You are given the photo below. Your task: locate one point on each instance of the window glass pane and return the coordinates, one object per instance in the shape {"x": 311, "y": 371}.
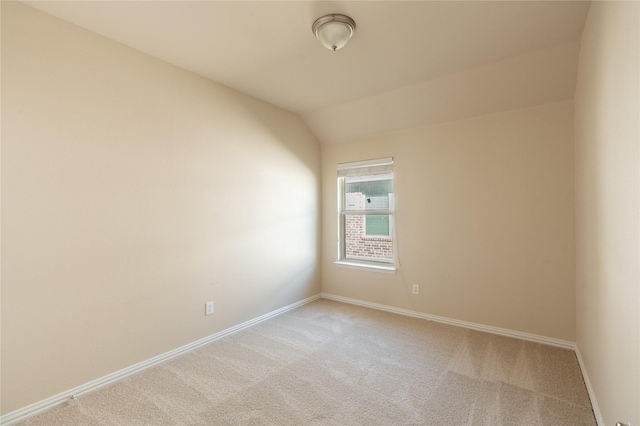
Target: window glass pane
{"x": 368, "y": 194}
{"x": 359, "y": 245}
{"x": 377, "y": 225}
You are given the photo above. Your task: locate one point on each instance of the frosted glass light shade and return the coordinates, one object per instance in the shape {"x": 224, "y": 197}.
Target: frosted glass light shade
{"x": 334, "y": 30}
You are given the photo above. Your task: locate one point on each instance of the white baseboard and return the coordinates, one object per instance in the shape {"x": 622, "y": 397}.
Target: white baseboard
{"x": 472, "y": 325}
{"x": 592, "y": 395}
{"x": 46, "y": 404}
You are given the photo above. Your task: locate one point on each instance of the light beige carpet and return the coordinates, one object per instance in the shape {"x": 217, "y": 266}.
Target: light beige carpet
{"x": 329, "y": 363}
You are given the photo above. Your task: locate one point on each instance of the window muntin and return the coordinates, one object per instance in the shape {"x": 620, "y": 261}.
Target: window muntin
{"x": 366, "y": 212}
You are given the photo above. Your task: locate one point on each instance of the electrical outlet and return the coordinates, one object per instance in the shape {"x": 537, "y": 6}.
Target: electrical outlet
{"x": 416, "y": 289}
{"x": 208, "y": 308}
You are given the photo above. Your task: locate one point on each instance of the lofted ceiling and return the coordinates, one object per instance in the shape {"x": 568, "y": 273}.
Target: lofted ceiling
{"x": 405, "y": 61}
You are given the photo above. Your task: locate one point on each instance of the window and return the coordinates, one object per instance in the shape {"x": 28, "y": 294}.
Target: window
{"x": 365, "y": 214}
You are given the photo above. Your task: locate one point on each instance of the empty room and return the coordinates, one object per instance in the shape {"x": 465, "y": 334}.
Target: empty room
{"x": 320, "y": 213}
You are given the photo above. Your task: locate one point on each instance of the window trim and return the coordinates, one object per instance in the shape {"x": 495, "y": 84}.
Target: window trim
{"x": 369, "y": 168}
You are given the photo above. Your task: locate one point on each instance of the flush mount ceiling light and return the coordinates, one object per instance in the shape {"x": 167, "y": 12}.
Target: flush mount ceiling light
{"x": 334, "y": 30}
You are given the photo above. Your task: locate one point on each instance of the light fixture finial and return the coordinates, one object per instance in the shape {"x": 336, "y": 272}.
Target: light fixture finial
{"x": 334, "y": 30}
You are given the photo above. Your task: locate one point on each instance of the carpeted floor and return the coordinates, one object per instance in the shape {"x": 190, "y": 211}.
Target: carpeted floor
{"x": 329, "y": 363}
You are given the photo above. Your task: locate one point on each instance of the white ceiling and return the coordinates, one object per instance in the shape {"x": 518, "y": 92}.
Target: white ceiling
{"x": 266, "y": 48}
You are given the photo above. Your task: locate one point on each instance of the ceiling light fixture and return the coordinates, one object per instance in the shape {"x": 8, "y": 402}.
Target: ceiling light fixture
{"x": 334, "y": 30}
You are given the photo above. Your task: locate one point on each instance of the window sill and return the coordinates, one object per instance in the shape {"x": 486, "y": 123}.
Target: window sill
{"x": 366, "y": 267}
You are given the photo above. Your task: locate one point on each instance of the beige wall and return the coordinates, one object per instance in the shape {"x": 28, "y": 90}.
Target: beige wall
{"x": 607, "y": 111}
{"x": 485, "y": 221}
{"x": 132, "y": 193}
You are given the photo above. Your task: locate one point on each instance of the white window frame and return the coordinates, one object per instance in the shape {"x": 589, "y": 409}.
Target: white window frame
{"x": 364, "y": 169}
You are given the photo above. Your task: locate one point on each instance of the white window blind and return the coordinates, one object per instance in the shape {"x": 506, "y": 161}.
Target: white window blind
{"x": 366, "y": 168}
